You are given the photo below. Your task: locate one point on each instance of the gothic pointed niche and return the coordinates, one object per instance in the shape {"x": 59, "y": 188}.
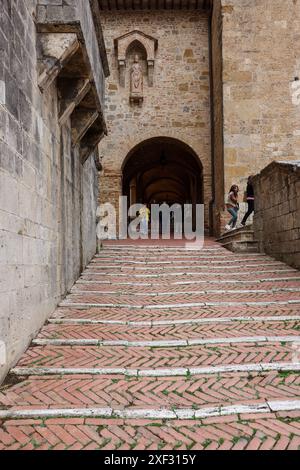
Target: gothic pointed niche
{"x": 136, "y": 56}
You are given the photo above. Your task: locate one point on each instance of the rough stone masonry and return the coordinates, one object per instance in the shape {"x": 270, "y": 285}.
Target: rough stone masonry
{"x": 224, "y": 73}
{"x": 51, "y": 120}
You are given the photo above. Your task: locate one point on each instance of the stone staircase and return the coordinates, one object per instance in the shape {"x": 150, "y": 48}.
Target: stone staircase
{"x": 163, "y": 348}
{"x": 240, "y": 240}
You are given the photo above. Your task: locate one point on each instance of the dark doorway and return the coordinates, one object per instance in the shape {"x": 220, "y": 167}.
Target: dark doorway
{"x": 163, "y": 170}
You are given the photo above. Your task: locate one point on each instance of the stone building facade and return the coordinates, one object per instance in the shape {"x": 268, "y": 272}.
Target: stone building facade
{"x": 261, "y": 71}
{"x": 226, "y": 83}
{"x": 51, "y": 120}
{"x": 176, "y": 99}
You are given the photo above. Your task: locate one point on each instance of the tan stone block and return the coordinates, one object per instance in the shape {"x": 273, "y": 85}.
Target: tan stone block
{"x": 183, "y": 87}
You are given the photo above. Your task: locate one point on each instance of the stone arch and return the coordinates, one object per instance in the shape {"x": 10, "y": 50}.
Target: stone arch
{"x": 112, "y": 177}
{"x": 131, "y": 149}
{"x": 162, "y": 169}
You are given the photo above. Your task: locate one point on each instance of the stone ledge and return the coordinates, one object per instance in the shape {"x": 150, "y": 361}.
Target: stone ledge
{"x": 240, "y": 240}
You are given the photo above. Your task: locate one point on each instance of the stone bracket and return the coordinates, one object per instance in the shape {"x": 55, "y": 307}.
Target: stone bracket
{"x": 98, "y": 161}
{"x": 91, "y": 139}
{"x": 55, "y": 51}
{"x": 71, "y": 94}
{"x": 71, "y": 50}
{"x": 82, "y": 119}
{"x": 136, "y": 99}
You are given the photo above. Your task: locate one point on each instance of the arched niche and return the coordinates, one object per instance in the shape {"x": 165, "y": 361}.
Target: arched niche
{"x": 145, "y": 45}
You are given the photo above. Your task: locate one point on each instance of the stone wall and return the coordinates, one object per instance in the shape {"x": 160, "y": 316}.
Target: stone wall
{"x": 48, "y": 196}
{"x": 261, "y": 105}
{"x": 178, "y": 103}
{"x": 277, "y": 213}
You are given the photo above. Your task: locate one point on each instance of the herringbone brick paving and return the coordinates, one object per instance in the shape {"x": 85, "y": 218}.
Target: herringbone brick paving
{"x": 256, "y": 302}
{"x": 161, "y": 391}
{"x": 94, "y": 356}
{"x": 119, "y": 332}
{"x": 116, "y": 314}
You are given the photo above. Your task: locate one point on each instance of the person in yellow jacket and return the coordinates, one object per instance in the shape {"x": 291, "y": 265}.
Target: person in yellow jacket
{"x": 145, "y": 217}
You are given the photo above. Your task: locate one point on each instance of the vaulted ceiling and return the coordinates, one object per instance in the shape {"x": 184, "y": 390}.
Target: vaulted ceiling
{"x": 201, "y": 5}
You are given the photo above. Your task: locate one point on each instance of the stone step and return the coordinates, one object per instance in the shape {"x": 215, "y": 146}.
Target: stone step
{"x": 159, "y": 340}
{"x": 240, "y": 240}
{"x": 243, "y": 246}
{"x": 154, "y": 393}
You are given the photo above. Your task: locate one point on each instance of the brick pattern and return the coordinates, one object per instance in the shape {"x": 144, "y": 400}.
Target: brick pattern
{"x": 265, "y": 431}
{"x": 247, "y": 433}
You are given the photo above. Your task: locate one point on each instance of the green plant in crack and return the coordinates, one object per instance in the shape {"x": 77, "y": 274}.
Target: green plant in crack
{"x": 235, "y": 439}
{"x": 118, "y": 444}
{"x": 178, "y": 444}
{"x": 191, "y": 445}
{"x": 105, "y": 442}
{"x": 133, "y": 445}
{"x": 35, "y": 444}
{"x": 206, "y": 443}
{"x": 285, "y": 373}
{"x": 161, "y": 445}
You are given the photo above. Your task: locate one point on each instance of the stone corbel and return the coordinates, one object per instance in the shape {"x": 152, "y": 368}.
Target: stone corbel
{"x": 71, "y": 51}
{"x": 98, "y": 160}
{"x": 91, "y": 139}
{"x": 82, "y": 119}
{"x": 54, "y": 52}
{"x": 71, "y": 93}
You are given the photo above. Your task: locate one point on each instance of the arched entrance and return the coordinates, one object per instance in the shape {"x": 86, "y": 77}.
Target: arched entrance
{"x": 163, "y": 169}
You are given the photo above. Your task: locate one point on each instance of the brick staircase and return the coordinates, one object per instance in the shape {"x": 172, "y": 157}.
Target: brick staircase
{"x": 163, "y": 348}
{"x": 240, "y": 240}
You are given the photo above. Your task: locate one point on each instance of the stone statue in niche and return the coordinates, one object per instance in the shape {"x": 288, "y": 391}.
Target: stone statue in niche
{"x": 136, "y": 81}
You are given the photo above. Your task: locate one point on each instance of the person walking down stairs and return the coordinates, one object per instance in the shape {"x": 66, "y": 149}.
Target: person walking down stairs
{"x": 250, "y": 200}
{"x": 232, "y": 205}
